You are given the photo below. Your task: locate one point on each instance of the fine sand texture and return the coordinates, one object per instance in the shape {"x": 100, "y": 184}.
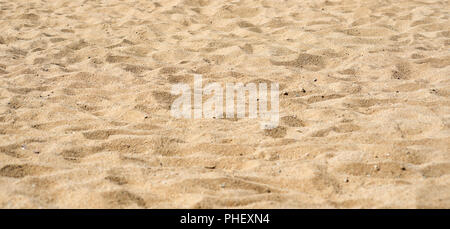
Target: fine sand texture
{"x": 85, "y": 97}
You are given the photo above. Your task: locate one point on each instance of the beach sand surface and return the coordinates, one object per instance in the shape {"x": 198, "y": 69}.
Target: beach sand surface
{"x": 85, "y": 96}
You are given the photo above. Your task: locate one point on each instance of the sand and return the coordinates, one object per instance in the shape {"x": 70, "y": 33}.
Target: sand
{"x": 85, "y": 98}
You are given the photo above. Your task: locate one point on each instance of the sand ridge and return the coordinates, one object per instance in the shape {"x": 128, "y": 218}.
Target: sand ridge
{"x": 85, "y": 97}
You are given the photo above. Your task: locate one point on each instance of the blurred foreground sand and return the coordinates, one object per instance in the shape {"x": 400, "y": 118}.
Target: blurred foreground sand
{"x": 85, "y": 97}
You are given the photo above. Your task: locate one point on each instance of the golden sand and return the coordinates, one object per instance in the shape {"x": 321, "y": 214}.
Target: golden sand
{"x": 85, "y": 98}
